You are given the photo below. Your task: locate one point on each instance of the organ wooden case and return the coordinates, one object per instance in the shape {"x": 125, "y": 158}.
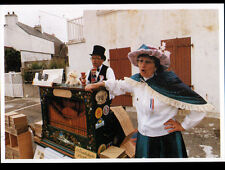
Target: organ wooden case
{"x": 73, "y": 117}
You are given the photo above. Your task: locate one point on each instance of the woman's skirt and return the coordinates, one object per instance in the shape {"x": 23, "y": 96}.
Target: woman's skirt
{"x": 168, "y": 146}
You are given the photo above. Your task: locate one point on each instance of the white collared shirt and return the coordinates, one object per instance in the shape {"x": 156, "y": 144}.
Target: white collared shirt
{"x": 151, "y": 119}
{"x": 109, "y": 76}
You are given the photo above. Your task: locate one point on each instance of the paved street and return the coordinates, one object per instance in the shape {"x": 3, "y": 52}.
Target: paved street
{"x": 203, "y": 141}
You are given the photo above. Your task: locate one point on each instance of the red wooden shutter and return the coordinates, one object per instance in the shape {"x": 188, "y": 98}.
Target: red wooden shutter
{"x": 121, "y": 66}
{"x": 180, "y": 57}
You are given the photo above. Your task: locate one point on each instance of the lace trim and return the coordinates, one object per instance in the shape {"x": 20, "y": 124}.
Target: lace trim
{"x": 176, "y": 103}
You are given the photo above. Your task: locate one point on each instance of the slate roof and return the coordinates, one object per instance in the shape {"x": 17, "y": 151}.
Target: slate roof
{"x": 34, "y": 32}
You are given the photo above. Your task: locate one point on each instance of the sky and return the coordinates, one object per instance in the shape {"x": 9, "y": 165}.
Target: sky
{"x": 52, "y": 18}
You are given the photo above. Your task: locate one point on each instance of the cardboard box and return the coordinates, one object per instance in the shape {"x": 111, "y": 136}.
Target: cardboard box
{"x": 18, "y": 119}
{"x": 16, "y": 123}
{"x": 113, "y": 152}
{"x": 37, "y": 139}
{"x": 19, "y": 146}
{"x": 38, "y": 125}
{"x": 25, "y": 145}
{"x": 8, "y": 153}
{"x": 16, "y": 132}
{"x": 7, "y": 117}
{"x": 38, "y": 128}
{"x": 18, "y": 126}
{"x": 129, "y": 147}
{"x": 124, "y": 119}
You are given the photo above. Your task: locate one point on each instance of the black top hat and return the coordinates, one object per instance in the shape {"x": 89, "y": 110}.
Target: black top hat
{"x": 99, "y": 50}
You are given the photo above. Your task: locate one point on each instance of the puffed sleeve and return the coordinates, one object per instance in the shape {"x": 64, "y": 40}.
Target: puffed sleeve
{"x": 110, "y": 74}
{"x": 118, "y": 87}
{"x": 192, "y": 119}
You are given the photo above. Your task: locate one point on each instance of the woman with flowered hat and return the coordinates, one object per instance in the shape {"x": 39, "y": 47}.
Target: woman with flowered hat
{"x": 158, "y": 94}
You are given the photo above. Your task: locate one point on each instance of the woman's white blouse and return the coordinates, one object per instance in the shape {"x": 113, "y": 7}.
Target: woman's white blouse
{"x": 151, "y": 113}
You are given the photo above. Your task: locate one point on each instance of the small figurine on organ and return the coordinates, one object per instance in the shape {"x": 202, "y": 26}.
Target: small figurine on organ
{"x": 72, "y": 78}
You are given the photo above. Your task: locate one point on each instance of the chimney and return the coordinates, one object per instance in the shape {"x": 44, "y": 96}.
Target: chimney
{"x": 11, "y": 19}
{"x": 38, "y": 28}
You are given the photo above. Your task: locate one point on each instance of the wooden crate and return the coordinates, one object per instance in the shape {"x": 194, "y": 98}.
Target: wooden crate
{"x": 16, "y": 132}
{"x": 16, "y": 123}
{"x": 7, "y": 118}
{"x": 18, "y": 119}
{"x": 19, "y": 146}
{"x": 18, "y": 139}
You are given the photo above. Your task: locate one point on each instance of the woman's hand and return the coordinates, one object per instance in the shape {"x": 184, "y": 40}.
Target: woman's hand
{"x": 173, "y": 125}
{"x": 90, "y": 87}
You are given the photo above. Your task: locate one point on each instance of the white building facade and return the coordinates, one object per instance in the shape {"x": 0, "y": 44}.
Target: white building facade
{"x": 32, "y": 48}
{"x": 31, "y": 44}
{"x": 132, "y": 28}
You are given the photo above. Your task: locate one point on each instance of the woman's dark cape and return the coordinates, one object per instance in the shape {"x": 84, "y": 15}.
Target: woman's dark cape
{"x": 168, "y": 84}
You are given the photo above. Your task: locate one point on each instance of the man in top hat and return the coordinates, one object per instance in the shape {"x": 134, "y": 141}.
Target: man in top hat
{"x": 100, "y": 71}
{"x": 104, "y": 73}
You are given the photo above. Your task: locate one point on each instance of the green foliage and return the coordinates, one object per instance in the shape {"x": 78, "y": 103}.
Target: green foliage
{"x": 57, "y": 63}
{"x": 38, "y": 66}
{"x": 12, "y": 60}
{"x": 28, "y": 76}
{"x": 13, "y": 63}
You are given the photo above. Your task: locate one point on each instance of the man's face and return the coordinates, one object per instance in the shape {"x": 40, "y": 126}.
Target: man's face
{"x": 96, "y": 61}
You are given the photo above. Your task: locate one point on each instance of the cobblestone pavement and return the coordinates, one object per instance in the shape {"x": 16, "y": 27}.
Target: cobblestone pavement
{"x": 203, "y": 141}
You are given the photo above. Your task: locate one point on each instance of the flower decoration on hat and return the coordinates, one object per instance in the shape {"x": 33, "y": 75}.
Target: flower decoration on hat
{"x": 162, "y": 54}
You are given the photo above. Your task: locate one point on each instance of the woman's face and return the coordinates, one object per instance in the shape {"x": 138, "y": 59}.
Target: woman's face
{"x": 146, "y": 66}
